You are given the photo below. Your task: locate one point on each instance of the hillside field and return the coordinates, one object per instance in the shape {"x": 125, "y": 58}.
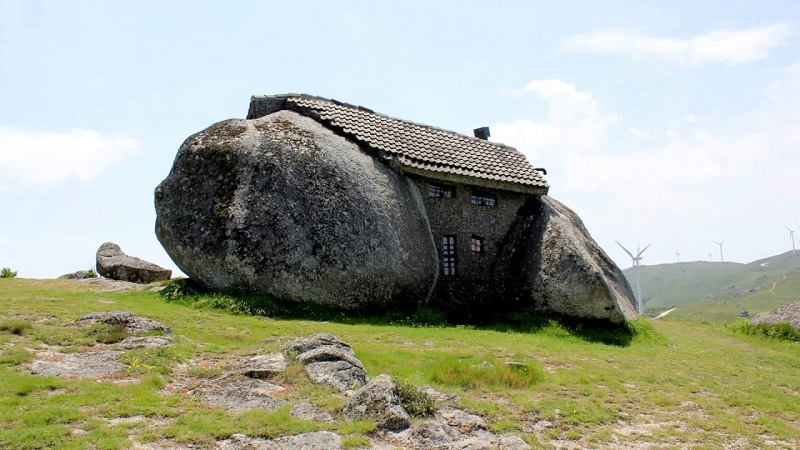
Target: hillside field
{"x": 674, "y": 385}
{"x": 719, "y": 292}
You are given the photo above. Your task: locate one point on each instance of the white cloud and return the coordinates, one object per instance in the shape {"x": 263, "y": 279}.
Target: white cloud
{"x": 681, "y": 184}
{"x": 46, "y": 158}
{"x": 726, "y": 46}
{"x": 573, "y": 122}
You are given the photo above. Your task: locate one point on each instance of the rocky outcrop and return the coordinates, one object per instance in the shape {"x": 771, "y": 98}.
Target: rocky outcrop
{"x": 785, "y": 314}
{"x": 378, "y": 401}
{"x": 551, "y": 264}
{"x": 113, "y": 263}
{"x": 78, "y": 275}
{"x": 281, "y": 205}
{"x": 329, "y": 361}
{"x": 130, "y": 322}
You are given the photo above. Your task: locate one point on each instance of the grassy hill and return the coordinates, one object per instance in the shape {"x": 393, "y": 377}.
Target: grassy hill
{"x": 675, "y": 384}
{"x": 718, "y": 291}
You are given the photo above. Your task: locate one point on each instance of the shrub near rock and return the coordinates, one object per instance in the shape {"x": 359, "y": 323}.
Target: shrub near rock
{"x": 378, "y": 401}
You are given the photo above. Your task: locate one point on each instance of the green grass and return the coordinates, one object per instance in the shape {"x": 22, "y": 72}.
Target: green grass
{"x": 592, "y": 387}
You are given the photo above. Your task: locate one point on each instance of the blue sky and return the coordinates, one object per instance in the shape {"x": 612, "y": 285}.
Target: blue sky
{"x": 667, "y": 122}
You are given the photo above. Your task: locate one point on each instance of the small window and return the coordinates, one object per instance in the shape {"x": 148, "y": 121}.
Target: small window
{"x": 476, "y": 244}
{"x": 483, "y": 199}
{"x": 441, "y": 191}
{"x": 449, "y": 255}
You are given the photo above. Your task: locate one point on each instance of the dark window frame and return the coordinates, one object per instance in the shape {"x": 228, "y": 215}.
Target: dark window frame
{"x": 437, "y": 190}
{"x": 480, "y": 198}
{"x": 449, "y": 255}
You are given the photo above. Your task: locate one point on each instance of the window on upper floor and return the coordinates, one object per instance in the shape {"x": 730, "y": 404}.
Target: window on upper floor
{"x": 479, "y": 198}
{"x": 441, "y": 191}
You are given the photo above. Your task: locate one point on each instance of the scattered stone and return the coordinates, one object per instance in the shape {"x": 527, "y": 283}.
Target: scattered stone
{"x": 113, "y": 263}
{"x": 77, "y": 275}
{"x": 242, "y": 393}
{"x": 517, "y": 366}
{"x": 317, "y": 440}
{"x": 439, "y": 396}
{"x": 329, "y": 361}
{"x": 265, "y": 366}
{"x": 134, "y": 342}
{"x": 689, "y": 406}
{"x": 307, "y": 411}
{"x": 132, "y": 323}
{"x": 462, "y": 421}
{"x": 785, "y": 314}
{"x": 109, "y": 285}
{"x": 378, "y": 401}
{"x": 95, "y": 364}
{"x": 431, "y": 433}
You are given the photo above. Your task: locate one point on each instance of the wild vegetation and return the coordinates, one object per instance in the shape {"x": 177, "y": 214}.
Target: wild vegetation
{"x": 651, "y": 383}
{"x": 6, "y": 272}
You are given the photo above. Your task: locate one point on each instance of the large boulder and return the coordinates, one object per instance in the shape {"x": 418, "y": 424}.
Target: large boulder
{"x": 113, "y": 263}
{"x": 551, "y": 264}
{"x": 281, "y": 205}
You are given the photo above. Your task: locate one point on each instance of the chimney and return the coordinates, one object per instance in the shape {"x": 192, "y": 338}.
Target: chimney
{"x": 482, "y": 133}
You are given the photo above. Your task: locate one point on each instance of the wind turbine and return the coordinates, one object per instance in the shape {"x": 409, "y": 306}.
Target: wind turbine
{"x": 636, "y": 263}
{"x": 709, "y": 254}
{"x": 791, "y": 236}
{"x": 721, "y": 259}
{"x": 678, "y": 256}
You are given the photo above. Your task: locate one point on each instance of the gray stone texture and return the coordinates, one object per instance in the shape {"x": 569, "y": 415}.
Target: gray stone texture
{"x": 130, "y": 321}
{"x": 77, "y": 275}
{"x": 471, "y": 292}
{"x": 281, "y": 205}
{"x": 113, "y": 263}
{"x": 242, "y": 394}
{"x": 378, "y": 401}
{"x": 329, "y": 361}
{"x": 785, "y": 314}
{"x": 93, "y": 364}
{"x": 316, "y": 440}
{"x": 551, "y": 264}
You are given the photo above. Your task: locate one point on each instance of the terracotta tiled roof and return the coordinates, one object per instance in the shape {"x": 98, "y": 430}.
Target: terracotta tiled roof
{"x": 421, "y": 146}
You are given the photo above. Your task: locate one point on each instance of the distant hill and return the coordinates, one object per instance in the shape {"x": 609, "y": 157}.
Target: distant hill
{"x": 719, "y": 291}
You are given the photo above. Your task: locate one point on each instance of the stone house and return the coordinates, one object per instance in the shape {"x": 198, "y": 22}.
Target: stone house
{"x": 472, "y": 189}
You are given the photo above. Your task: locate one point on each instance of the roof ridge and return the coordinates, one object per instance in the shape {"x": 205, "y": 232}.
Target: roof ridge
{"x": 372, "y": 111}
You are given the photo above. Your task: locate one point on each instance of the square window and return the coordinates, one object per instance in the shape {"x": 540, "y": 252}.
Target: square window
{"x": 476, "y": 244}
{"x": 441, "y": 191}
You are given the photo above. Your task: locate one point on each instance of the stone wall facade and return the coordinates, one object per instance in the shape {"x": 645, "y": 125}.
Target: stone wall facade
{"x": 456, "y": 215}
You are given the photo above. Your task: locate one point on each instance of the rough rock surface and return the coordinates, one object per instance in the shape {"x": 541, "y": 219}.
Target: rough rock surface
{"x": 130, "y": 321}
{"x": 307, "y": 411}
{"x": 77, "y": 275}
{"x": 785, "y": 314}
{"x": 94, "y": 364}
{"x": 242, "y": 393}
{"x": 378, "y": 401}
{"x": 265, "y": 366}
{"x": 329, "y": 361}
{"x": 134, "y": 342}
{"x": 281, "y": 205}
{"x": 551, "y": 264}
{"x": 113, "y": 263}
{"x": 451, "y": 429}
{"x": 317, "y": 440}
